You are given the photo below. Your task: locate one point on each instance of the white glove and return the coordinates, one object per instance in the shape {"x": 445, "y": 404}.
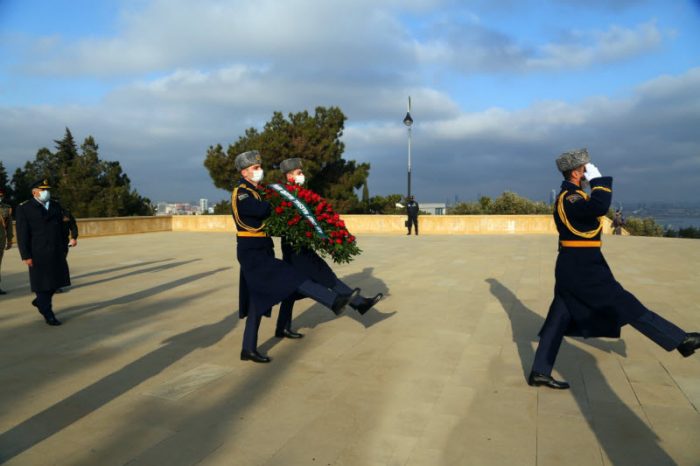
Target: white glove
{"x": 399, "y": 205}
{"x": 592, "y": 172}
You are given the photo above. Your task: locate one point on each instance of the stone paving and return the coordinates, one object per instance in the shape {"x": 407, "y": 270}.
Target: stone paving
{"x": 145, "y": 369}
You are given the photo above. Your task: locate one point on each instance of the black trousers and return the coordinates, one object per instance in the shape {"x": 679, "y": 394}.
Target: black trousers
{"x": 44, "y": 304}
{"x": 412, "y": 221}
{"x": 659, "y": 330}
{"x": 310, "y": 289}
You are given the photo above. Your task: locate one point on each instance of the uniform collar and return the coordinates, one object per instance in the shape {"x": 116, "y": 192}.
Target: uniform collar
{"x": 248, "y": 184}
{"x": 569, "y": 186}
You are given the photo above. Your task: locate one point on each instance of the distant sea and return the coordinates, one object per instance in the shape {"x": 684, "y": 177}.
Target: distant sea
{"x": 678, "y": 222}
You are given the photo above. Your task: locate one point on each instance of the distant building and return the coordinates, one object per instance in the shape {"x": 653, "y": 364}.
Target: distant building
{"x": 161, "y": 208}
{"x": 203, "y": 205}
{"x": 433, "y": 208}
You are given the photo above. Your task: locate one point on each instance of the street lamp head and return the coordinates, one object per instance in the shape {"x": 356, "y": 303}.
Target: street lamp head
{"x": 408, "y": 121}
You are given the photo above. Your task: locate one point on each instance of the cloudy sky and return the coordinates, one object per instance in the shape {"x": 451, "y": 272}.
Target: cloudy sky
{"x": 499, "y": 87}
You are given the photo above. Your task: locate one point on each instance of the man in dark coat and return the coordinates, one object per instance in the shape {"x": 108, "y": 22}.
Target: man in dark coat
{"x": 264, "y": 280}
{"x": 588, "y": 301}
{"x": 43, "y": 248}
{"x": 412, "y": 209}
{"x": 311, "y": 265}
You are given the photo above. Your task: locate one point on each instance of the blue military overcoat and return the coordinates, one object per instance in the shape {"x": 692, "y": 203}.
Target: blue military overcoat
{"x": 264, "y": 279}
{"x": 598, "y": 304}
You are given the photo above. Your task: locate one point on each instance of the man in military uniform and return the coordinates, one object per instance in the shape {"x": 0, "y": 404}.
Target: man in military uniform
{"x": 264, "y": 280}
{"x": 5, "y": 229}
{"x": 311, "y": 265}
{"x": 588, "y": 301}
{"x": 42, "y": 246}
{"x": 412, "y": 209}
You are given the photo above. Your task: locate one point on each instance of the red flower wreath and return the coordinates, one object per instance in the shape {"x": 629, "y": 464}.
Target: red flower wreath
{"x": 288, "y": 222}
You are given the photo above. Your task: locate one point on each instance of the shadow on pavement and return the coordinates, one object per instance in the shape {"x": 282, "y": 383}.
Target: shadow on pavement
{"x": 157, "y": 268}
{"x": 119, "y": 268}
{"x": 72, "y": 312}
{"x": 625, "y": 438}
{"x": 64, "y": 413}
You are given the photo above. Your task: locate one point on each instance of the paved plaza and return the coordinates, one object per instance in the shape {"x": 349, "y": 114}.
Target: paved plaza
{"x": 146, "y": 369}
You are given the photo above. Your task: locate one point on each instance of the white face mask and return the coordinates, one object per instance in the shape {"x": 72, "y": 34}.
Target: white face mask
{"x": 44, "y": 196}
{"x": 257, "y": 175}
{"x": 299, "y": 179}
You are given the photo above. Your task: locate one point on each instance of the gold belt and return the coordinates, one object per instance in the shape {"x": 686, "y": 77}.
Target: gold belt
{"x": 581, "y": 244}
{"x": 252, "y": 234}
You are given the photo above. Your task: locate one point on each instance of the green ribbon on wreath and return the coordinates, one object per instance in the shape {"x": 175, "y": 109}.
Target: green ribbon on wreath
{"x": 301, "y": 207}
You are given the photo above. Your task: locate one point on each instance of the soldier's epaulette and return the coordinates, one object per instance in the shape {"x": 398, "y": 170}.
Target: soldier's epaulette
{"x": 24, "y": 202}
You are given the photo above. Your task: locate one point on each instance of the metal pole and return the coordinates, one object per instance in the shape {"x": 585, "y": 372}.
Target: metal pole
{"x": 409, "y": 161}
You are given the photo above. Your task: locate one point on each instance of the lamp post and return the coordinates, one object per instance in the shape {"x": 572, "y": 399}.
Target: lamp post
{"x": 408, "y": 121}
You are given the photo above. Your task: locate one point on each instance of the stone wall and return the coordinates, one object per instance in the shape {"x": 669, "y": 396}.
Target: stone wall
{"x": 90, "y": 227}
{"x": 357, "y": 224}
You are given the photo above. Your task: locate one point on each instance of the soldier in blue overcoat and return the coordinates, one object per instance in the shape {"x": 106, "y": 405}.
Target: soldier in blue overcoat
{"x": 264, "y": 280}
{"x": 588, "y": 301}
{"x": 43, "y": 247}
{"x": 312, "y": 265}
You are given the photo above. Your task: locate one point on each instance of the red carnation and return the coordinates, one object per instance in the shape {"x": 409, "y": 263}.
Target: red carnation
{"x": 279, "y": 210}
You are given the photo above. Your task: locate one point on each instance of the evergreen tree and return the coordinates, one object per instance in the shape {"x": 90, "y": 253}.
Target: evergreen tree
{"x": 316, "y": 139}
{"x": 86, "y": 185}
{"x": 5, "y": 182}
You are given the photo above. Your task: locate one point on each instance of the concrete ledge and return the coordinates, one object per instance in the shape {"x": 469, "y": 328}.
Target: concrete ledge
{"x": 394, "y": 224}
{"x": 90, "y": 227}
{"x": 357, "y": 224}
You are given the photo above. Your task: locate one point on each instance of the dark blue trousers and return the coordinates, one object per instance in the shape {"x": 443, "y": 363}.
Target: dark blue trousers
{"x": 284, "y": 319}
{"x": 310, "y": 289}
{"x": 653, "y": 326}
{"x": 250, "y": 334}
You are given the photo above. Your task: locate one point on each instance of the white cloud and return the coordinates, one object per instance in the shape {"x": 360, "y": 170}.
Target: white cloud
{"x": 476, "y": 48}
{"x": 594, "y": 47}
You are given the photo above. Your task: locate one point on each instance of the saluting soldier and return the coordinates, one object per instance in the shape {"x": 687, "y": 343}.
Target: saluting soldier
{"x": 588, "y": 301}
{"x": 264, "y": 279}
{"x": 5, "y": 229}
{"x": 311, "y": 265}
{"x": 43, "y": 248}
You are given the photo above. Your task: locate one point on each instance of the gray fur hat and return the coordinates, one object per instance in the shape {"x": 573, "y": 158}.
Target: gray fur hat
{"x": 573, "y": 159}
{"x": 246, "y": 159}
{"x": 288, "y": 165}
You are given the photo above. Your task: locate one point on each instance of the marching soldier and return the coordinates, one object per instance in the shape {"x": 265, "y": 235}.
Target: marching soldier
{"x": 265, "y": 280}
{"x": 311, "y": 265}
{"x": 588, "y": 301}
{"x": 42, "y": 246}
{"x": 5, "y": 228}
{"x": 412, "y": 209}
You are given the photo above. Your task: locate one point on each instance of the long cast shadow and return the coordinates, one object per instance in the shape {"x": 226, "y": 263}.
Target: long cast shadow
{"x": 64, "y": 413}
{"x": 614, "y": 424}
{"x": 119, "y": 268}
{"x": 75, "y": 311}
{"x": 317, "y": 314}
{"x": 157, "y": 268}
